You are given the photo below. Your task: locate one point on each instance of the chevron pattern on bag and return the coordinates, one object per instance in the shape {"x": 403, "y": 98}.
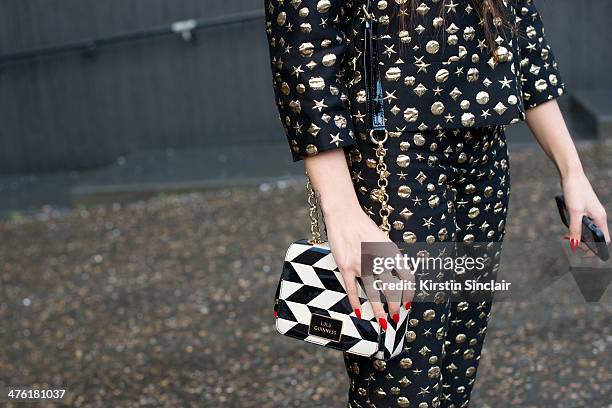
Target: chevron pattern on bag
{"x": 311, "y": 284}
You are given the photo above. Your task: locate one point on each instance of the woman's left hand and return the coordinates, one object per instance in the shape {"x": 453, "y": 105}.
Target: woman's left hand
{"x": 581, "y": 200}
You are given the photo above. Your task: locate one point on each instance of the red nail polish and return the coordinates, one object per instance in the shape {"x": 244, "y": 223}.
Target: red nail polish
{"x": 275, "y": 313}
{"x": 396, "y": 318}
{"x": 383, "y": 323}
{"x": 408, "y": 305}
{"x": 573, "y": 245}
{"x": 358, "y": 313}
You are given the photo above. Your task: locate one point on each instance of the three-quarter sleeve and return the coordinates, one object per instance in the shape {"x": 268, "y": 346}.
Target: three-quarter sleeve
{"x": 540, "y": 77}
{"x": 307, "y": 49}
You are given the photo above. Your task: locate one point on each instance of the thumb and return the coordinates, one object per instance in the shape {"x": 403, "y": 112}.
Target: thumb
{"x": 575, "y": 229}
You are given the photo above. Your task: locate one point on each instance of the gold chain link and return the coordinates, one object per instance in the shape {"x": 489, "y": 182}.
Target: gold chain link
{"x": 383, "y": 183}
{"x": 313, "y": 212}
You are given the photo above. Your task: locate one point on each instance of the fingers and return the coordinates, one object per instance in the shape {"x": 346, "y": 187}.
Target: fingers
{"x": 393, "y": 293}
{"x": 408, "y": 292}
{"x": 375, "y": 299}
{"x": 353, "y": 293}
{"x": 393, "y": 280}
{"x": 575, "y": 229}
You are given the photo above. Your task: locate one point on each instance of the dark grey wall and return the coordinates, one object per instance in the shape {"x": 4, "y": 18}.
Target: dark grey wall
{"x": 580, "y": 34}
{"x": 69, "y": 112}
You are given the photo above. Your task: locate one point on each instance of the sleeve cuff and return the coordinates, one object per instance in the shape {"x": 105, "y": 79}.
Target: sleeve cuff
{"x": 543, "y": 91}
{"x": 303, "y": 149}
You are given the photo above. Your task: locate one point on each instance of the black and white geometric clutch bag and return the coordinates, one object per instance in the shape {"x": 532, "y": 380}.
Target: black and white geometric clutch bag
{"x": 312, "y": 305}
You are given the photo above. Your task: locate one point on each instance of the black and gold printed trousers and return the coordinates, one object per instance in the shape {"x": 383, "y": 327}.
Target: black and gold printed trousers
{"x": 444, "y": 186}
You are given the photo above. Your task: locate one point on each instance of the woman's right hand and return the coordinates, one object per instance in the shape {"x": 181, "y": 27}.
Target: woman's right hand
{"x": 347, "y": 229}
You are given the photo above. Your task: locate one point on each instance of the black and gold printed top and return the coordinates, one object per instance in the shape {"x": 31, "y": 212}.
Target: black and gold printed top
{"x": 333, "y": 60}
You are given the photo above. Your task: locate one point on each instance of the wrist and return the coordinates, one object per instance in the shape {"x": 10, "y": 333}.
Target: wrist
{"x": 333, "y": 209}
{"x": 570, "y": 171}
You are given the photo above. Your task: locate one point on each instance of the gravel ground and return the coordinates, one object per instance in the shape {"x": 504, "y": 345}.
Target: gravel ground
{"x": 168, "y": 302}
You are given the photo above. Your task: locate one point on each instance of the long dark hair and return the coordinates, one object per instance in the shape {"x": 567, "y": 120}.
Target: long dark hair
{"x": 493, "y": 13}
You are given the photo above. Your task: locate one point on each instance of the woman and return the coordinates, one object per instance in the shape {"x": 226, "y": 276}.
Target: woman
{"x": 438, "y": 80}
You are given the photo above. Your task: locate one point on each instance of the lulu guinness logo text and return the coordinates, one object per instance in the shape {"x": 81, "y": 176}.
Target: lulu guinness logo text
{"x": 325, "y": 327}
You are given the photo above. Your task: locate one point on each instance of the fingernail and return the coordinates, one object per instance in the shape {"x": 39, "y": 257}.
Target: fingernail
{"x": 573, "y": 245}
{"x": 358, "y": 313}
{"x": 396, "y": 318}
{"x": 408, "y": 305}
{"x": 383, "y": 323}
{"x": 275, "y": 313}
{"x": 567, "y": 238}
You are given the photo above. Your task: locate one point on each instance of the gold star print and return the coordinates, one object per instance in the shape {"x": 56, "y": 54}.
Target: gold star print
{"x": 359, "y": 117}
{"x": 531, "y": 47}
{"x": 298, "y": 128}
{"x": 417, "y": 201}
{"x": 423, "y": 67}
{"x": 424, "y": 391}
{"x": 451, "y": 7}
{"x": 486, "y": 113}
{"x": 323, "y": 23}
{"x": 462, "y": 203}
{"x": 297, "y": 71}
{"x": 428, "y": 223}
{"x": 402, "y": 175}
{"x": 449, "y": 118}
{"x": 482, "y": 45}
{"x": 336, "y": 139}
{"x": 357, "y": 176}
{"x": 319, "y": 105}
{"x": 505, "y": 82}
{"x": 438, "y": 91}
{"x": 369, "y": 211}
{"x": 389, "y": 50}
{"x": 390, "y": 96}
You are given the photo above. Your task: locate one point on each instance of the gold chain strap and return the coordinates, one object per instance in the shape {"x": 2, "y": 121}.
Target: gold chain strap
{"x": 383, "y": 197}
{"x": 313, "y": 213}
{"x": 383, "y": 180}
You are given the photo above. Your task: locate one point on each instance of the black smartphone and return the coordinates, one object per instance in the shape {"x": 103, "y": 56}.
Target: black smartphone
{"x": 591, "y": 235}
